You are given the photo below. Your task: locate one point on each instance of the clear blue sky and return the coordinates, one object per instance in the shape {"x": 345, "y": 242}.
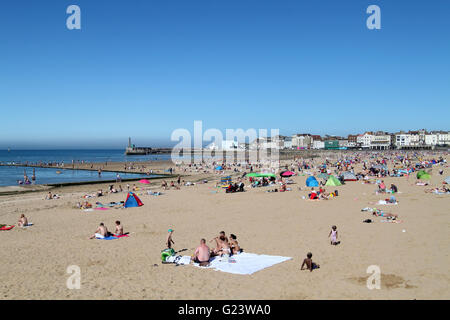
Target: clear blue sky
{"x": 144, "y": 68}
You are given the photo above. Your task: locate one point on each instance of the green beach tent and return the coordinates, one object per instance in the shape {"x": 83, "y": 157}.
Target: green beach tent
{"x": 333, "y": 181}
{"x": 258, "y": 175}
{"x": 422, "y": 175}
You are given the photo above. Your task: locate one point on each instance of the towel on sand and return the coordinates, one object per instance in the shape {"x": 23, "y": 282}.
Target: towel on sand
{"x": 244, "y": 263}
{"x": 106, "y": 238}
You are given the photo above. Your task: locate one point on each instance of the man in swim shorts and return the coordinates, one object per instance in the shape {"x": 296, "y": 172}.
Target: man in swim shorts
{"x": 310, "y": 265}
{"x": 101, "y": 232}
{"x": 202, "y": 254}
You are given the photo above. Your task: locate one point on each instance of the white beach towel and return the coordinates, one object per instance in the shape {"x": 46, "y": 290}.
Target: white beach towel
{"x": 244, "y": 263}
{"x": 384, "y": 202}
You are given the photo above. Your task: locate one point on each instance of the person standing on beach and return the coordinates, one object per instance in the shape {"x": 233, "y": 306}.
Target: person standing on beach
{"x": 334, "y": 235}
{"x": 169, "y": 240}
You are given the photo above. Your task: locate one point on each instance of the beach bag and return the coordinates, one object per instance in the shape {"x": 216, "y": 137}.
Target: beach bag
{"x": 165, "y": 254}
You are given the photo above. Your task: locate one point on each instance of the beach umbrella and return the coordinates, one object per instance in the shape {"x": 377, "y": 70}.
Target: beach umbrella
{"x": 252, "y": 174}
{"x": 266, "y": 175}
{"x": 287, "y": 174}
{"x": 144, "y": 181}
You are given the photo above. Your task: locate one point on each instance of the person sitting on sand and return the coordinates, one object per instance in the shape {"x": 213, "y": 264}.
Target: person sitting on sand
{"x": 234, "y": 245}
{"x": 202, "y": 254}
{"x": 310, "y": 265}
{"x": 49, "y": 196}
{"x": 101, "y": 232}
{"x": 169, "y": 240}
{"x": 313, "y": 195}
{"x": 382, "y": 187}
{"x": 100, "y": 193}
{"x": 119, "y": 229}
{"x": 164, "y": 185}
{"x": 222, "y": 245}
{"x": 23, "y": 221}
{"x": 394, "y": 188}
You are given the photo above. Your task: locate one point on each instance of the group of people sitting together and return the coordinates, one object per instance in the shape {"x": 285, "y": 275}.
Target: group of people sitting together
{"x": 102, "y": 231}
{"x": 235, "y": 187}
{"x": 224, "y": 247}
{"x": 382, "y": 188}
{"x": 321, "y": 194}
{"x": 165, "y": 186}
{"x": 51, "y": 196}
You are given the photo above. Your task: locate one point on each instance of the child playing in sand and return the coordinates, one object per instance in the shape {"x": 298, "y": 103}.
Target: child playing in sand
{"x": 310, "y": 265}
{"x": 334, "y": 235}
{"x": 169, "y": 240}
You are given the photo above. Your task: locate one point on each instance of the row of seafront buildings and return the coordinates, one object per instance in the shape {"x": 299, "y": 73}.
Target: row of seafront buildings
{"x": 420, "y": 139}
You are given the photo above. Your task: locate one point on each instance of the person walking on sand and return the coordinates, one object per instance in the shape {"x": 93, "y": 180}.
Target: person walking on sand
{"x": 169, "y": 240}
{"x": 334, "y": 235}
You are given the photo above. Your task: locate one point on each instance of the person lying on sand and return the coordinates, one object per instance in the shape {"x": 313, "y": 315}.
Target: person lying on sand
{"x": 23, "y": 221}
{"x": 381, "y": 213}
{"x": 202, "y": 254}
{"x": 222, "y": 245}
{"x": 310, "y": 265}
{"x": 119, "y": 229}
{"x": 101, "y": 232}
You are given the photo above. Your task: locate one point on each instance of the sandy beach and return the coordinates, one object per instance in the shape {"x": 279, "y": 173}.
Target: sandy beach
{"x": 414, "y": 263}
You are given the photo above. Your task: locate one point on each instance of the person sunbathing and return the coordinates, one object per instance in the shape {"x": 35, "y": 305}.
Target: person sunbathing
{"x": 202, "y": 254}
{"x": 23, "y": 221}
{"x": 387, "y": 215}
{"x": 234, "y": 245}
{"x": 222, "y": 245}
{"x": 86, "y": 205}
{"x": 119, "y": 229}
{"x": 101, "y": 232}
{"x": 310, "y": 265}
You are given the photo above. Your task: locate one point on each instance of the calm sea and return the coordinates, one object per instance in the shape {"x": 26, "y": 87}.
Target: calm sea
{"x": 10, "y": 175}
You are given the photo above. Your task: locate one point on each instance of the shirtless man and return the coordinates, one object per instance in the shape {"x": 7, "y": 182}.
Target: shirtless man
{"x": 235, "y": 248}
{"x": 101, "y": 232}
{"x": 119, "y": 229}
{"x": 310, "y": 265}
{"x": 222, "y": 246}
{"x": 202, "y": 254}
{"x": 23, "y": 221}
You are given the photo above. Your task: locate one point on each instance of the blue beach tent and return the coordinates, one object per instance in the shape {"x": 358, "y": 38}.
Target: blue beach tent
{"x": 312, "y": 182}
